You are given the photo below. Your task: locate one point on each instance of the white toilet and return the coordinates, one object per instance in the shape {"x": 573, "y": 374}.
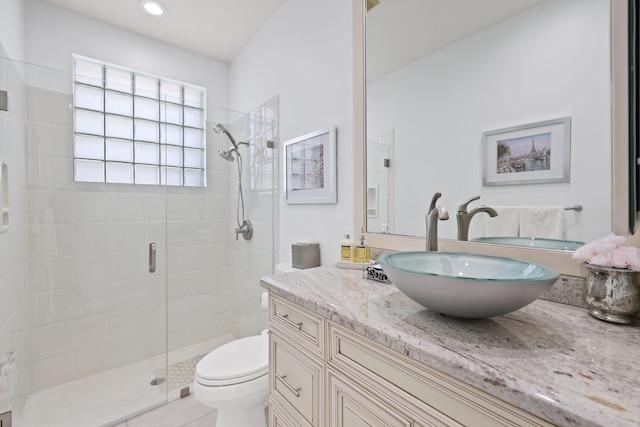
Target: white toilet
{"x": 234, "y": 379}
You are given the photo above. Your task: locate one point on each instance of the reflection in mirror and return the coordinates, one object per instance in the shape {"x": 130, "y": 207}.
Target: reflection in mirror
{"x": 532, "y": 242}
{"x": 438, "y": 79}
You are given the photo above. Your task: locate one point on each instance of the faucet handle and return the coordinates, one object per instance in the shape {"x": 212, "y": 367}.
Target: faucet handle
{"x": 443, "y": 214}
{"x": 463, "y": 207}
{"x": 434, "y": 199}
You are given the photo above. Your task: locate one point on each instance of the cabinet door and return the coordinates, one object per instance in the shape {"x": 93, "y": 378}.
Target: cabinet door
{"x": 352, "y": 406}
{"x": 296, "y": 380}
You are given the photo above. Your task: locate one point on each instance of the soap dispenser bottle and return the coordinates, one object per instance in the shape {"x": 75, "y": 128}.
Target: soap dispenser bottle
{"x": 363, "y": 253}
{"x": 346, "y": 248}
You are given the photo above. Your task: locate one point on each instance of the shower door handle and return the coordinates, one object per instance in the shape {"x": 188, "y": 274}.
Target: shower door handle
{"x": 152, "y": 257}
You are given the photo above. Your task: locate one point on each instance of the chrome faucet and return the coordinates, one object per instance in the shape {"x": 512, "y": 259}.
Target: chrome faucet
{"x": 435, "y": 213}
{"x": 464, "y": 218}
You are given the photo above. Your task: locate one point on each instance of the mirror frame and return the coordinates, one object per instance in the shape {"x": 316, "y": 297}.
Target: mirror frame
{"x": 560, "y": 260}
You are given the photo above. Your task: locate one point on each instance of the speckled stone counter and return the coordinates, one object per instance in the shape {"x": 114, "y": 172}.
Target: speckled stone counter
{"x": 552, "y": 360}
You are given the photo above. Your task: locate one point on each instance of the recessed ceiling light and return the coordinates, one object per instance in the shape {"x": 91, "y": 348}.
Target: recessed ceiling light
{"x": 152, "y": 7}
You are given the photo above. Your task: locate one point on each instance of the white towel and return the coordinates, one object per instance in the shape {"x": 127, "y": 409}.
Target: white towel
{"x": 506, "y": 224}
{"x": 542, "y": 221}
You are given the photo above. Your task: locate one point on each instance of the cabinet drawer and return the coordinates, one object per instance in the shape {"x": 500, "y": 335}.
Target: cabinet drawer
{"x": 302, "y": 326}
{"x": 350, "y": 406}
{"x": 373, "y": 364}
{"x": 296, "y": 380}
{"x": 279, "y": 418}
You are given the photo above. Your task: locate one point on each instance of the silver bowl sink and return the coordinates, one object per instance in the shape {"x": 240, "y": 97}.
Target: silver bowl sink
{"x": 532, "y": 242}
{"x": 467, "y": 285}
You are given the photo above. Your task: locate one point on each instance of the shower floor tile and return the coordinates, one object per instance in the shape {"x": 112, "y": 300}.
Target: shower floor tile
{"x": 110, "y": 397}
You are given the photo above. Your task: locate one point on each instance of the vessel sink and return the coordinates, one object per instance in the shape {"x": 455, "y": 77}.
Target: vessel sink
{"x": 532, "y": 242}
{"x": 467, "y": 285}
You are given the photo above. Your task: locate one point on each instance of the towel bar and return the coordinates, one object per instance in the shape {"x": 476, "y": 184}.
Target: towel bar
{"x": 573, "y": 208}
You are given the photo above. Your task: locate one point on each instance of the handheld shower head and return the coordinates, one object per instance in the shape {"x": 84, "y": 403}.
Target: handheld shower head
{"x": 221, "y": 130}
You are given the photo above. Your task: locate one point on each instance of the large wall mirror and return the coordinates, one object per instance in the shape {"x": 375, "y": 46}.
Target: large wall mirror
{"x": 449, "y": 84}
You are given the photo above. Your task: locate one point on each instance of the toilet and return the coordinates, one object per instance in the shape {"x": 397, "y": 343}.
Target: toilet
{"x": 234, "y": 378}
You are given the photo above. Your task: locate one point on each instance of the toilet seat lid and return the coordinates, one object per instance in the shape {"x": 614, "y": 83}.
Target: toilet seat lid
{"x": 242, "y": 359}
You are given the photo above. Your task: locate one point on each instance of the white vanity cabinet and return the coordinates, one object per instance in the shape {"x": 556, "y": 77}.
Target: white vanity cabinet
{"x": 323, "y": 374}
{"x": 296, "y": 365}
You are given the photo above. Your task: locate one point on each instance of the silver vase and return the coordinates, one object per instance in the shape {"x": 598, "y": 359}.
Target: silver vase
{"x": 612, "y": 293}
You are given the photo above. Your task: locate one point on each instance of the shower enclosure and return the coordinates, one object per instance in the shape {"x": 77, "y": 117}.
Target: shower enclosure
{"x": 88, "y": 335}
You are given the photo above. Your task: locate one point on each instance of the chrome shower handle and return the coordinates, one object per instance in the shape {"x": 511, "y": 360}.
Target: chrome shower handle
{"x": 152, "y": 257}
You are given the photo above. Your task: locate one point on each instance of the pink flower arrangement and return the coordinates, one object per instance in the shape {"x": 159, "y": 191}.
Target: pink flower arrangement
{"x": 610, "y": 251}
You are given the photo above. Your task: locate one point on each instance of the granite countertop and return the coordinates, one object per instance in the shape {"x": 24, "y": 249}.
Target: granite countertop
{"x": 553, "y": 360}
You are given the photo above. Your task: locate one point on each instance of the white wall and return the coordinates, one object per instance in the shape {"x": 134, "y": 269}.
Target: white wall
{"x": 12, "y": 29}
{"x": 305, "y": 56}
{"x": 539, "y": 65}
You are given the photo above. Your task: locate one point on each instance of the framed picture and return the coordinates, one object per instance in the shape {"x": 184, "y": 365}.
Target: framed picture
{"x": 528, "y": 154}
{"x": 310, "y": 168}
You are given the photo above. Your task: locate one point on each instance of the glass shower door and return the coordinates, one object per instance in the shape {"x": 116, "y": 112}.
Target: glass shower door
{"x": 89, "y": 335}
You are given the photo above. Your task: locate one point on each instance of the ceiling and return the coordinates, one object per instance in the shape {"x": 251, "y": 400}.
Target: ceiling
{"x": 398, "y": 31}
{"x": 402, "y": 31}
{"x": 214, "y": 28}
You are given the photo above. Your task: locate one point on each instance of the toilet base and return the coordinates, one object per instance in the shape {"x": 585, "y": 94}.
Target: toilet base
{"x": 247, "y": 417}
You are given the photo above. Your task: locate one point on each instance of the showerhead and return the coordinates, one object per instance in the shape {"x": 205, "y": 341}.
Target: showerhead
{"x": 220, "y": 130}
{"x": 227, "y": 154}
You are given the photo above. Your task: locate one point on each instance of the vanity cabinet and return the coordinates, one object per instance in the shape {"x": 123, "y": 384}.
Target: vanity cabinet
{"x": 296, "y": 365}
{"x": 323, "y": 374}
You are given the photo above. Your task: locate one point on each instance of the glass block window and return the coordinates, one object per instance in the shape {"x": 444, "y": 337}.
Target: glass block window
{"x": 134, "y": 128}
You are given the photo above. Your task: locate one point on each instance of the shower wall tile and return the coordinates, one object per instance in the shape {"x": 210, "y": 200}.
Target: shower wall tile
{"x": 5, "y": 308}
{"x": 89, "y": 361}
{"x": 52, "y": 307}
{"x": 122, "y": 324}
{"x": 188, "y": 333}
{"x": 124, "y": 351}
{"x": 129, "y": 264}
{"x": 177, "y": 260}
{"x": 49, "y": 140}
{"x": 89, "y": 270}
{"x": 53, "y": 371}
{"x": 90, "y": 238}
{"x": 124, "y": 236}
{"x": 261, "y": 265}
{"x": 126, "y": 206}
{"x": 89, "y": 332}
{"x": 50, "y": 274}
{"x": 54, "y": 340}
{"x": 263, "y": 238}
{"x": 48, "y": 106}
{"x": 51, "y": 172}
{"x": 199, "y": 257}
{"x": 260, "y": 205}
{"x": 219, "y": 207}
{"x": 92, "y": 207}
{"x": 56, "y": 204}
{"x": 14, "y": 243}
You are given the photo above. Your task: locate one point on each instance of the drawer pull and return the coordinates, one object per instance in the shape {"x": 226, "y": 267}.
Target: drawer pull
{"x": 285, "y": 319}
{"x": 295, "y": 391}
